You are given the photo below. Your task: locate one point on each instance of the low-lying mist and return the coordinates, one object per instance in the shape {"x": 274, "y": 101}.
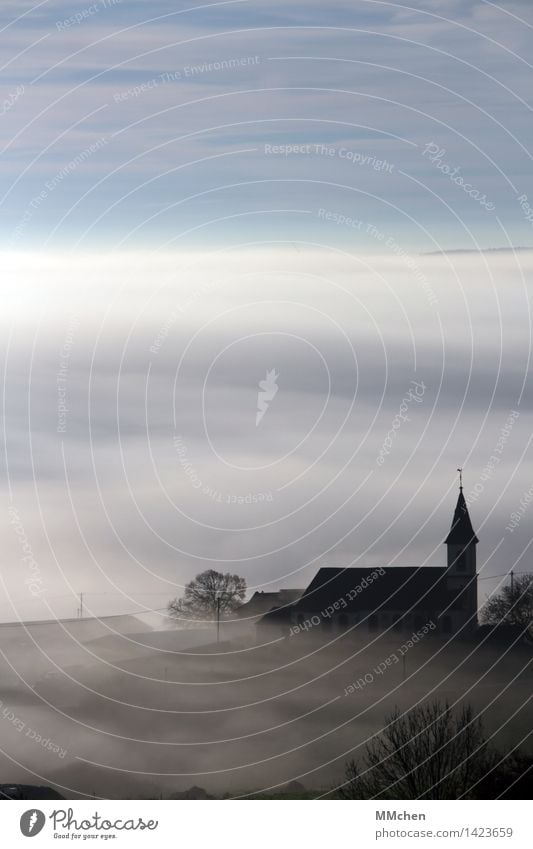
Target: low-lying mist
{"x": 97, "y": 712}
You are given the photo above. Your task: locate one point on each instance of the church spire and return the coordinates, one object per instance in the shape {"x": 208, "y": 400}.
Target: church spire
{"x": 461, "y": 531}
{"x": 461, "y": 543}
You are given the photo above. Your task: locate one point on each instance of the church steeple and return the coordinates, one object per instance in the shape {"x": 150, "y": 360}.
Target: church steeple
{"x": 461, "y": 540}
{"x": 461, "y": 530}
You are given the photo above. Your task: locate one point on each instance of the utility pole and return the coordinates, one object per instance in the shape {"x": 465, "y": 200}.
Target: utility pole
{"x": 81, "y": 605}
{"x": 218, "y": 618}
{"x": 512, "y": 583}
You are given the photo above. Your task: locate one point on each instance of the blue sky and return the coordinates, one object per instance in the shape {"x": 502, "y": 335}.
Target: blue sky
{"x": 180, "y": 103}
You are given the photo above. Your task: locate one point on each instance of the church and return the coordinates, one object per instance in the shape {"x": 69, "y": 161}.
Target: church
{"x": 401, "y": 598}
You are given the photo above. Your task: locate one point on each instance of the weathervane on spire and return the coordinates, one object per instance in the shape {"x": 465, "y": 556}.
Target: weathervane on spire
{"x": 460, "y": 478}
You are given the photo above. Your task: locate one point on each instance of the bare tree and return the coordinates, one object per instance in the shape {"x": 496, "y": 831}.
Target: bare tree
{"x": 513, "y": 605}
{"x": 210, "y": 593}
{"x": 431, "y": 752}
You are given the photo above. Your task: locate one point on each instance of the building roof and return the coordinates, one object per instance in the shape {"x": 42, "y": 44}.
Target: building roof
{"x": 262, "y": 602}
{"x": 461, "y": 530}
{"x": 393, "y": 588}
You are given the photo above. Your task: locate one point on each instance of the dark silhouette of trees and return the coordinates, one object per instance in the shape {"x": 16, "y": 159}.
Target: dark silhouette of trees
{"x": 208, "y": 594}
{"x": 510, "y": 779}
{"x": 513, "y": 605}
{"x": 431, "y": 752}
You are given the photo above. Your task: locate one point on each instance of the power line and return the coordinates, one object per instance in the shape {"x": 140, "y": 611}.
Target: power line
{"x": 504, "y": 575}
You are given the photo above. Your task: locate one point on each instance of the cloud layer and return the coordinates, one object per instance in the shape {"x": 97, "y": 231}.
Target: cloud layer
{"x": 131, "y": 390}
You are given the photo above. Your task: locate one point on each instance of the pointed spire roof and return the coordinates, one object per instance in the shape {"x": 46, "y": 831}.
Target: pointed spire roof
{"x": 461, "y": 530}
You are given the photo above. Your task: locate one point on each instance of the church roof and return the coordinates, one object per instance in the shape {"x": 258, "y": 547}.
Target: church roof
{"x": 461, "y": 530}
{"x": 392, "y": 588}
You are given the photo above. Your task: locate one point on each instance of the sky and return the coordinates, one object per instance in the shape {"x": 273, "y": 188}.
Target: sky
{"x": 266, "y": 276}
{"x": 182, "y": 114}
